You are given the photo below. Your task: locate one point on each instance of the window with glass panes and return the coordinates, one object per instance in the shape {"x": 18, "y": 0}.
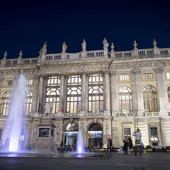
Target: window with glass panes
{"x": 74, "y": 94}
{"x": 95, "y": 95}
{"x": 28, "y": 104}
{"x": 125, "y": 100}
{"x": 53, "y": 92}
{"x": 5, "y": 101}
{"x": 150, "y": 99}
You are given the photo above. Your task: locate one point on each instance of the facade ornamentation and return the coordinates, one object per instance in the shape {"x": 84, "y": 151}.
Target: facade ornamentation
{"x": 106, "y": 93}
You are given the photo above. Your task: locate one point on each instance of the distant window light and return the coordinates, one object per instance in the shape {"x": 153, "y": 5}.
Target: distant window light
{"x": 124, "y": 77}
{"x": 168, "y": 75}
{"x": 29, "y": 82}
{"x": 147, "y": 76}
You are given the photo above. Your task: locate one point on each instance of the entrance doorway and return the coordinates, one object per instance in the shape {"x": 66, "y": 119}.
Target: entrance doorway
{"x": 71, "y": 135}
{"x": 95, "y": 135}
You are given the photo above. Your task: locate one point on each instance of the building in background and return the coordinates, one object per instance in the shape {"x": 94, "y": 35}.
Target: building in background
{"x": 105, "y": 94}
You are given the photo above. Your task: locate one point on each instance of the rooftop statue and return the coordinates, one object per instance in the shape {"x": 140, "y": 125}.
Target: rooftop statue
{"x": 64, "y": 47}
{"x": 44, "y": 48}
{"x": 83, "y": 45}
{"x": 105, "y": 44}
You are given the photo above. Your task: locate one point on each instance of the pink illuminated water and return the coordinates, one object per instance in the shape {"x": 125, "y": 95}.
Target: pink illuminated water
{"x": 15, "y": 123}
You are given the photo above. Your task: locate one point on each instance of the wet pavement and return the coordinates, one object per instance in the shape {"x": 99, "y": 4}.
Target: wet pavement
{"x": 101, "y": 161}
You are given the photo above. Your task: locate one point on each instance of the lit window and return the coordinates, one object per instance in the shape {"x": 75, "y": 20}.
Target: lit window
{"x": 147, "y": 76}
{"x": 168, "y": 76}
{"x": 125, "y": 100}
{"x": 74, "y": 94}
{"x": 29, "y": 82}
{"x": 5, "y": 101}
{"x": 124, "y": 77}
{"x": 150, "y": 99}
{"x": 53, "y": 93}
{"x": 96, "y": 93}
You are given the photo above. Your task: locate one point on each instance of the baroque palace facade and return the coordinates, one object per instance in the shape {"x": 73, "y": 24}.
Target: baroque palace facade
{"x": 105, "y": 94}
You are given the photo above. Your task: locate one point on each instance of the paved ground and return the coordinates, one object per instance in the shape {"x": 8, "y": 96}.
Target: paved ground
{"x": 147, "y": 161}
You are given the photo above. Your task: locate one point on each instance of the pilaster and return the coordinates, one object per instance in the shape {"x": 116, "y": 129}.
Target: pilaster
{"x": 161, "y": 91}
{"x": 113, "y": 94}
{"x": 137, "y": 92}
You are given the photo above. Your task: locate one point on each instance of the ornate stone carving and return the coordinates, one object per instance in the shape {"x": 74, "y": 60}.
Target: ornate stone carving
{"x": 159, "y": 70}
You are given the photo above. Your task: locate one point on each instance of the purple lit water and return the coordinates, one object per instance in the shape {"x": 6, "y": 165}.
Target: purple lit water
{"x": 80, "y": 145}
{"x": 15, "y": 124}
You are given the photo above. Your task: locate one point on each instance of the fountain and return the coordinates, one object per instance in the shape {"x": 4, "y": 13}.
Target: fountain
{"x": 15, "y": 125}
{"x": 80, "y": 146}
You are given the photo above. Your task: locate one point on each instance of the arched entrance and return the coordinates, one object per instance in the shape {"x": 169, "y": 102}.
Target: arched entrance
{"x": 71, "y": 134}
{"x": 95, "y": 135}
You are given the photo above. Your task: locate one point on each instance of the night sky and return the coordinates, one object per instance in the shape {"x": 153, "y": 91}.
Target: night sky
{"x": 27, "y": 24}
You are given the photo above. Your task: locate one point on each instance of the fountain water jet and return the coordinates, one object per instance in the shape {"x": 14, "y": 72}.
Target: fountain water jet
{"x": 80, "y": 145}
{"x": 15, "y": 123}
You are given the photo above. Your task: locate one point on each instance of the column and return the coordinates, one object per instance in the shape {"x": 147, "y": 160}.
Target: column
{"x": 113, "y": 94}
{"x": 61, "y": 101}
{"x": 35, "y": 95}
{"x": 161, "y": 91}
{"x": 44, "y": 90}
{"x": 106, "y": 88}
{"x": 83, "y": 94}
{"x": 138, "y": 93}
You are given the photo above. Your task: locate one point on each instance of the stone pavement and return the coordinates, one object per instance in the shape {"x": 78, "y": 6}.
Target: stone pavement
{"x": 148, "y": 161}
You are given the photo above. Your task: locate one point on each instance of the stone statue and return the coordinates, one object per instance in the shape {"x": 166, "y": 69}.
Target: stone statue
{"x": 48, "y": 108}
{"x": 105, "y": 44}
{"x": 64, "y": 47}
{"x": 44, "y": 48}
{"x": 83, "y": 45}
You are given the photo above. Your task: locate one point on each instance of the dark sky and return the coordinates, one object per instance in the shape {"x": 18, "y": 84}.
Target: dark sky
{"x": 27, "y": 24}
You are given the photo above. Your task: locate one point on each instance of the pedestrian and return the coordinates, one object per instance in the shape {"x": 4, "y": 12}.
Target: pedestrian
{"x": 109, "y": 145}
{"x": 130, "y": 145}
{"x": 61, "y": 146}
{"x": 126, "y": 145}
{"x": 138, "y": 141}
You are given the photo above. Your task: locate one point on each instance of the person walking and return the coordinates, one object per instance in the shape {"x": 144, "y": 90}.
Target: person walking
{"x": 61, "y": 146}
{"x": 109, "y": 145}
{"x": 138, "y": 141}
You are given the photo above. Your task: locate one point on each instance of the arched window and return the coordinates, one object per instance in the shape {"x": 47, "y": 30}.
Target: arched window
{"x": 53, "y": 92}
{"x": 125, "y": 100}
{"x": 74, "y": 94}
{"x": 168, "y": 91}
{"x": 28, "y": 104}
{"x": 5, "y": 101}
{"x": 150, "y": 99}
{"x": 95, "y": 93}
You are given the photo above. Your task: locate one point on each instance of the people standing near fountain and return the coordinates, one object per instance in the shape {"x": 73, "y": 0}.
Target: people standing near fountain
{"x": 138, "y": 141}
{"x": 109, "y": 145}
{"x": 61, "y": 146}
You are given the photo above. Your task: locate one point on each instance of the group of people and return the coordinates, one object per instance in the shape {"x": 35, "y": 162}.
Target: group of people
{"x": 125, "y": 149}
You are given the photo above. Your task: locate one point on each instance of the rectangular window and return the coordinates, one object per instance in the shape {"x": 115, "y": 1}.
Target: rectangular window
{"x": 168, "y": 76}
{"x": 147, "y": 76}
{"x": 154, "y": 134}
{"x": 124, "y": 77}
{"x": 44, "y": 132}
{"x": 127, "y": 131}
{"x": 29, "y": 82}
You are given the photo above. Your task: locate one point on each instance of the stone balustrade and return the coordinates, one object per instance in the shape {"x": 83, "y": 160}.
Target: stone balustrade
{"x": 118, "y": 55}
